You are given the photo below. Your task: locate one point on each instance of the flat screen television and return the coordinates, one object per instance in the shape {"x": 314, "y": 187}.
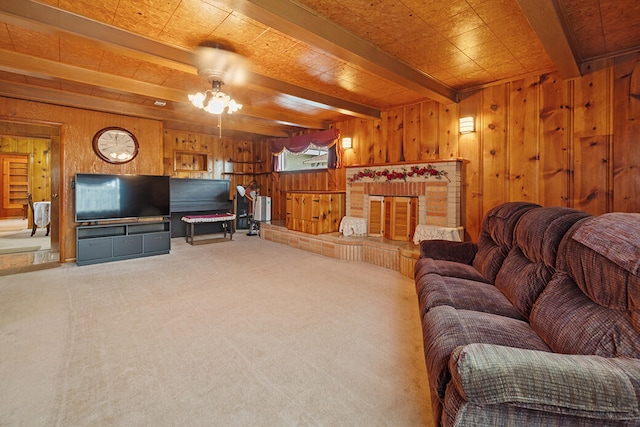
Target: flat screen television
{"x": 108, "y": 197}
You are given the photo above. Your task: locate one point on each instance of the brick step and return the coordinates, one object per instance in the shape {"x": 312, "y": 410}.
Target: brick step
{"x": 395, "y": 255}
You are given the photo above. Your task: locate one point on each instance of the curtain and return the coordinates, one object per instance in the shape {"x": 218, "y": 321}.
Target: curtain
{"x": 297, "y": 144}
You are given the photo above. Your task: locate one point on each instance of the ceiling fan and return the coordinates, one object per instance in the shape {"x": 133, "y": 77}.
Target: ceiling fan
{"x": 218, "y": 64}
{"x": 216, "y": 61}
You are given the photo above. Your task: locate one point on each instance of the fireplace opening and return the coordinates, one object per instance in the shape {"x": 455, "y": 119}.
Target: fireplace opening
{"x": 393, "y": 217}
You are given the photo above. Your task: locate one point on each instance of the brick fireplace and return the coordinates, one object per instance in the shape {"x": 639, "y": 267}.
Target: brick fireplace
{"x": 438, "y": 205}
{"x": 436, "y": 185}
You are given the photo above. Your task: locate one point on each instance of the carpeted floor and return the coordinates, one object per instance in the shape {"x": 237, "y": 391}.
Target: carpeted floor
{"x": 15, "y": 237}
{"x": 241, "y": 333}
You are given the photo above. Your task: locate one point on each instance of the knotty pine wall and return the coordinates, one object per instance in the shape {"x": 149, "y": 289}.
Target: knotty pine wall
{"x": 238, "y": 161}
{"x": 37, "y": 152}
{"x": 540, "y": 139}
{"x": 570, "y": 143}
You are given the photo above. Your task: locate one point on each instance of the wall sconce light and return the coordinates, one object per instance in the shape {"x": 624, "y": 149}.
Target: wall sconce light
{"x": 346, "y": 143}
{"x": 467, "y": 125}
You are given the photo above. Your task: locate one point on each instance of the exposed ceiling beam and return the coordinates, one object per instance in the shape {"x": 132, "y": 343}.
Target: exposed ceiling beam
{"x": 45, "y": 18}
{"x": 44, "y": 68}
{"x": 547, "y": 22}
{"x": 297, "y": 21}
{"x": 68, "y": 99}
{"x": 310, "y": 97}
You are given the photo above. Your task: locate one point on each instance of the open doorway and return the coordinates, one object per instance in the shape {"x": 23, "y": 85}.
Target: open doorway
{"x": 28, "y": 210}
{"x": 19, "y": 220}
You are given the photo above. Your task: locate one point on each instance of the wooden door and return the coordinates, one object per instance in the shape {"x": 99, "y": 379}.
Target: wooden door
{"x": 388, "y": 218}
{"x": 376, "y": 216}
{"x": 321, "y": 210}
{"x": 400, "y": 217}
{"x": 15, "y": 185}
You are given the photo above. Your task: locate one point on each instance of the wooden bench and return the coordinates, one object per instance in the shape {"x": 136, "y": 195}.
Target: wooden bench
{"x": 192, "y": 220}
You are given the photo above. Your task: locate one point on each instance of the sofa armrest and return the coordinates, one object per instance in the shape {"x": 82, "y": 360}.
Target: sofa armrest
{"x": 446, "y": 250}
{"x": 576, "y": 385}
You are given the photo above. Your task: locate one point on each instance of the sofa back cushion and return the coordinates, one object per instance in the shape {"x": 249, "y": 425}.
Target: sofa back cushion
{"x": 608, "y": 247}
{"x": 591, "y": 305}
{"x": 531, "y": 261}
{"x": 496, "y": 237}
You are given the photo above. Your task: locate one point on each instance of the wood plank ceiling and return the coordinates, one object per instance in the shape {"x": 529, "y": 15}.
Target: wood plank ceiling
{"x": 311, "y": 62}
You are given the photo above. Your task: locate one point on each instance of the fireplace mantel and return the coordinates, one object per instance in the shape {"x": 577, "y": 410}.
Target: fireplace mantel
{"x": 436, "y": 184}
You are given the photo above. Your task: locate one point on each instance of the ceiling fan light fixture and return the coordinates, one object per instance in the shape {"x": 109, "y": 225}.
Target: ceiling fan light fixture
{"x": 214, "y": 101}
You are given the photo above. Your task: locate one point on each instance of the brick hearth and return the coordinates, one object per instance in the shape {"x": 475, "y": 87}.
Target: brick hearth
{"x": 438, "y": 204}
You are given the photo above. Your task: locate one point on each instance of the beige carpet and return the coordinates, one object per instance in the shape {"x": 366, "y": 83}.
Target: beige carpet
{"x": 15, "y": 237}
{"x": 241, "y": 333}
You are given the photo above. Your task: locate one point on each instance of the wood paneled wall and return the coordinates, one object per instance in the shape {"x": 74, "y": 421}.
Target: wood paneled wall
{"x": 37, "y": 151}
{"x": 72, "y": 152}
{"x": 239, "y": 161}
{"x": 540, "y": 139}
{"x": 571, "y": 143}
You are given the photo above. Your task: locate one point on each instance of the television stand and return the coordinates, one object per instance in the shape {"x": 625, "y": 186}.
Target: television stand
{"x": 118, "y": 241}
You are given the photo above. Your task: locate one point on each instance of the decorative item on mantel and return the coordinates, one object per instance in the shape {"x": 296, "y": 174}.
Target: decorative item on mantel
{"x": 389, "y": 175}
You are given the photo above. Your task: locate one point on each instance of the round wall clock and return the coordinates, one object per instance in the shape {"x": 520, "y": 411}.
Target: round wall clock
{"x": 115, "y": 145}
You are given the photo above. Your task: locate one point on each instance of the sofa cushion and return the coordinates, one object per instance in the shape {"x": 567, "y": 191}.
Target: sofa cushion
{"x": 446, "y": 268}
{"x": 496, "y": 237}
{"x": 571, "y": 323}
{"x": 614, "y": 236}
{"x": 608, "y": 248}
{"x": 585, "y": 389}
{"x": 460, "y": 413}
{"x": 462, "y": 252}
{"x": 445, "y": 328}
{"x": 530, "y": 264}
{"x": 434, "y": 290}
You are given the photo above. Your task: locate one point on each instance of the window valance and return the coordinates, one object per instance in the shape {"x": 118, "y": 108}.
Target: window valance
{"x": 297, "y": 144}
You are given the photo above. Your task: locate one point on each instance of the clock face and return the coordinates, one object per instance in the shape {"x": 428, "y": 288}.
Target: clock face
{"x": 115, "y": 145}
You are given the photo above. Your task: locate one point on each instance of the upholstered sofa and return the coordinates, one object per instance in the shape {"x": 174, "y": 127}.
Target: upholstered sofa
{"x": 538, "y": 323}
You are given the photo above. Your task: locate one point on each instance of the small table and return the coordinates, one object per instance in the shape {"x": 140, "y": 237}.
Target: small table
{"x": 353, "y": 225}
{"x": 41, "y": 216}
{"x": 434, "y": 232}
{"x": 192, "y": 220}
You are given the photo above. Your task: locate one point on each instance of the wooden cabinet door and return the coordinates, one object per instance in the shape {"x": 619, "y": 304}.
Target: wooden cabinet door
{"x": 315, "y": 213}
{"x": 401, "y": 215}
{"x": 289, "y": 211}
{"x": 406, "y": 216}
{"x": 376, "y": 216}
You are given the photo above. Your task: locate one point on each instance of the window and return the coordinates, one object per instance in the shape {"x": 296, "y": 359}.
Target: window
{"x": 311, "y": 158}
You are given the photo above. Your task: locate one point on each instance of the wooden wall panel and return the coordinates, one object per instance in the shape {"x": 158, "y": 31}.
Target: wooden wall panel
{"x": 494, "y": 146}
{"x": 626, "y": 143}
{"x": 591, "y": 139}
{"x": 553, "y": 136}
{"x": 38, "y": 151}
{"x": 412, "y": 132}
{"x": 469, "y": 151}
{"x": 428, "y": 136}
{"x": 394, "y": 143}
{"x": 523, "y": 146}
{"x": 448, "y": 132}
{"x": 590, "y": 175}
